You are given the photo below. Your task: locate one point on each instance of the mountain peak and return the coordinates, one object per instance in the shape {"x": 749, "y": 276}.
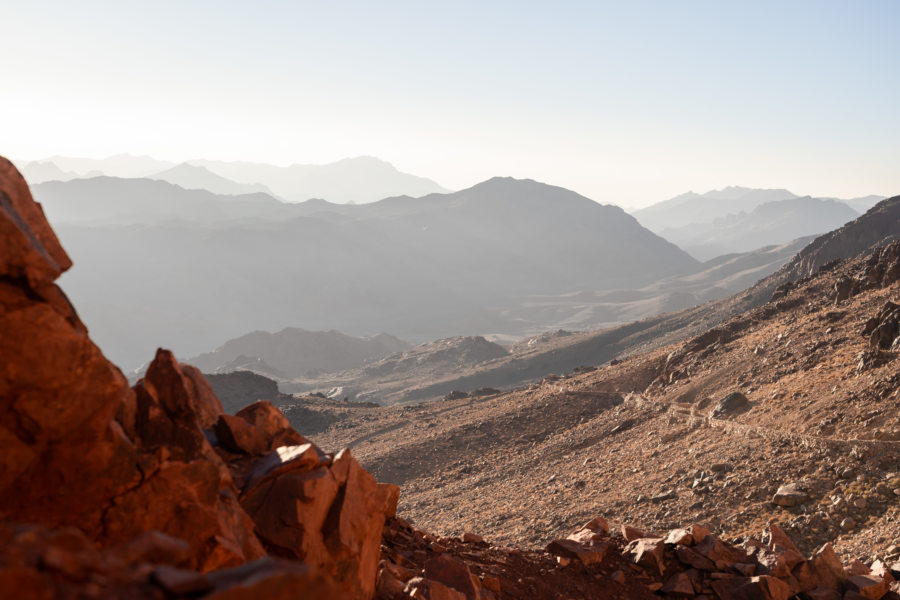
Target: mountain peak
{"x": 199, "y": 177}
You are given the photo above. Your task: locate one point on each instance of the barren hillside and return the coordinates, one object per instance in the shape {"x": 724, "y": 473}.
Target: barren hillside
{"x": 651, "y": 440}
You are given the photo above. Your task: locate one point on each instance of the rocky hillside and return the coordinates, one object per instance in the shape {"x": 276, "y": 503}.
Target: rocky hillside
{"x": 879, "y": 225}
{"x": 786, "y": 413}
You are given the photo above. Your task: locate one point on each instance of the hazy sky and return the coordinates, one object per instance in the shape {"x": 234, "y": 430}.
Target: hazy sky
{"x": 628, "y": 102}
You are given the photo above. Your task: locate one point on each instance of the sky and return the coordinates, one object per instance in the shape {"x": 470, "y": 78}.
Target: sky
{"x": 626, "y": 102}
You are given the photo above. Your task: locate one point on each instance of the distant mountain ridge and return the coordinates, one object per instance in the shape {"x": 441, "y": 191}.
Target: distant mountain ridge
{"x": 773, "y": 222}
{"x": 117, "y": 201}
{"x": 351, "y": 180}
{"x": 195, "y": 177}
{"x": 692, "y": 208}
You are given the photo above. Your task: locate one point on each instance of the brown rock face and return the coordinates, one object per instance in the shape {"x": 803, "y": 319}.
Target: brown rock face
{"x": 28, "y": 247}
{"x": 58, "y": 394}
{"x": 157, "y": 474}
{"x": 454, "y": 574}
{"x": 186, "y": 489}
{"x": 321, "y": 511}
{"x": 648, "y": 552}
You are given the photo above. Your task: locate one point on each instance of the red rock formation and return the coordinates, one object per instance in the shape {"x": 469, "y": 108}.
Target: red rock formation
{"x": 147, "y": 489}
{"x": 65, "y": 456}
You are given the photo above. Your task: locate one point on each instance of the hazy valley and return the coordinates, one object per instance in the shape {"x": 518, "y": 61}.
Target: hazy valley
{"x": 505, "y": 259}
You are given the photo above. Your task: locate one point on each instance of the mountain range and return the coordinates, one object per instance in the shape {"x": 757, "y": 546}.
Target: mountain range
{"x": 195, "y": 177}
{"x": 738, "y": 219}
{"x": 506, "y": 258}
{"x": 768, "y": 223}
{"x": 158, "y": 263}
{"x": 356, "y": 180}
{"x": 692, "y": 207}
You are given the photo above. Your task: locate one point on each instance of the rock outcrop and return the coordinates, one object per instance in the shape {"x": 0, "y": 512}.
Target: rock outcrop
{"x": 592, "y": 563}
{"x": 881, "y": 224}
{"x": 152, "y": 491}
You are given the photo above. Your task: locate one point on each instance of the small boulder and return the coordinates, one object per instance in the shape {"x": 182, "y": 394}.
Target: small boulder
{"x": 823, "y": 593}
{"x": 663, "y": 496}
{"x": 681, "y": 537}
{"x": 421, "y": 588}
{"x": 827, "y": 567}
{"x": 632, "y": 533}
{"x": 731, "y": 405}
{"x": 591, "y": 531}
{"x": 790, "y": 494}
{"x": 691, "y": 558}
{"x": 762, "y": 587}
{"x": 648, "y": 552}
{"x": 868, "y": 586}
{"x": 588, "y": 554}
{"x": 677, "y": 585}
{"x": 454, "y": 574}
